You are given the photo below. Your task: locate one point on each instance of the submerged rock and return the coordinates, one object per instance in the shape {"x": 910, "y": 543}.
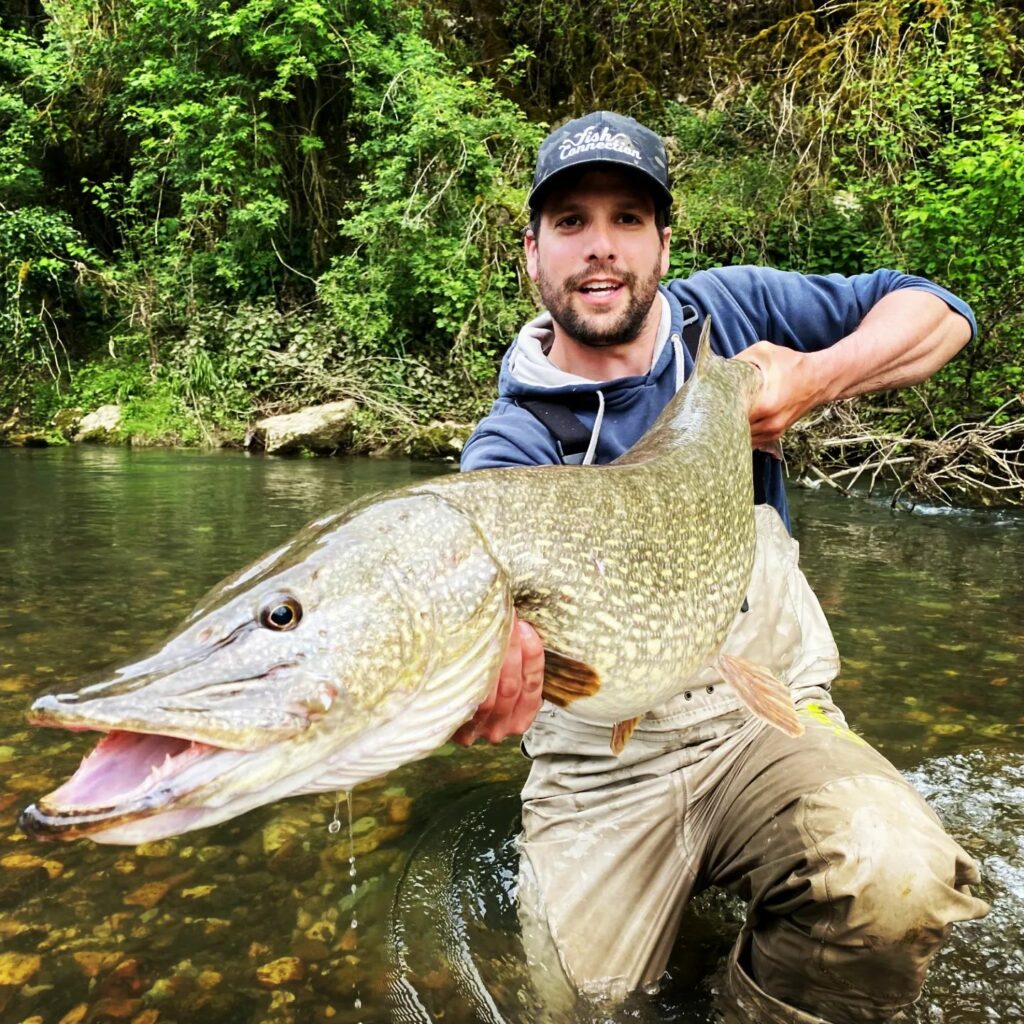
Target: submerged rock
{"x": 92, "y": 962}
{"x": 281, "y": 971}
{"x": 17, "y": 968}
{"x": 399, "y": 809}
{"x": 29, "y": 861}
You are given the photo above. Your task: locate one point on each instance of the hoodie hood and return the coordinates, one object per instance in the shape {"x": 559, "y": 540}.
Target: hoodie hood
{"x": 527, "y": 372}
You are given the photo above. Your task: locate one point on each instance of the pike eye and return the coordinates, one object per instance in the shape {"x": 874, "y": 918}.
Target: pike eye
{"x": 280, "y": 614}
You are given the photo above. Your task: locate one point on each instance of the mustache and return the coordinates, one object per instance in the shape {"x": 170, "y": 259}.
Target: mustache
{"x": 574, "y": 283}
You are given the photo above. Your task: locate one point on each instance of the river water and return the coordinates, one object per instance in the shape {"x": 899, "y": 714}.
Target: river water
{"x": 103, "y": 551}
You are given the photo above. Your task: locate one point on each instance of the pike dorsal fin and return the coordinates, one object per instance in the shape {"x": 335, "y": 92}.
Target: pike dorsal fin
{"x": 566, "y": 679}
{"x": 703, "y": 354}
{"x": 676, "y": 413}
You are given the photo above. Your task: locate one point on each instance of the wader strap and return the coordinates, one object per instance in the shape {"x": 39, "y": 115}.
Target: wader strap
{"x": 692, "y": 321}
{"x": 571, "y": 437}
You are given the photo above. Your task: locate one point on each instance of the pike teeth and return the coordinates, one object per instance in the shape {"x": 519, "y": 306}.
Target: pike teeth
{"x": 125, "y": 765}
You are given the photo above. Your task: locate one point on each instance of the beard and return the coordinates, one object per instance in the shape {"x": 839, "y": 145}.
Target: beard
{"x": 596, "y": 329}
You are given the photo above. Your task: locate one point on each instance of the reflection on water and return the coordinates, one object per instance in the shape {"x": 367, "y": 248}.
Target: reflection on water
{"x": 103, "y": 551}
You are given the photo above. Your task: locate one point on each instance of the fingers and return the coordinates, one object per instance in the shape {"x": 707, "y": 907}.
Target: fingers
{"x": 517, "y": 694}
{"x": 506, "y": 693}
{"x": 790, "y": 388}
{"x": 532, "y": 693}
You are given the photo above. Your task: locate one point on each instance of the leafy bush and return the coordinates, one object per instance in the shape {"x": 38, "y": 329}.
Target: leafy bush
{"x": 218, "y": 211}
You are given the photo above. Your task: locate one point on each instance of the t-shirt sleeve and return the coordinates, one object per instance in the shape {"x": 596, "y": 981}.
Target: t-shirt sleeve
{"x": 807, "y": 312}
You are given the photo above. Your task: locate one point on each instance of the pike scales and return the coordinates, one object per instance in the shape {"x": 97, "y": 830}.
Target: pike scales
{"x": 368, "y": 639}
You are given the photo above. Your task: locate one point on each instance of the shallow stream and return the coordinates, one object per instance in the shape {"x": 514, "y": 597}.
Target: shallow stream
{"x": 103, "y": 551}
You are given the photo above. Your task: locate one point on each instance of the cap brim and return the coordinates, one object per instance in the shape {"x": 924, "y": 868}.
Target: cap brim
{"x": 541, "y": 189}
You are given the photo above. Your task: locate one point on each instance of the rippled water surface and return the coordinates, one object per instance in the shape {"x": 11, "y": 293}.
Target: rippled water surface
{"x": 102, "y": 551}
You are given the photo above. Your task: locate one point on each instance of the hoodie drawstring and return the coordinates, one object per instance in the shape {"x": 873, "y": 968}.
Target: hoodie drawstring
{"x": 677, "y": 348}
{"x": 588, "y": 459}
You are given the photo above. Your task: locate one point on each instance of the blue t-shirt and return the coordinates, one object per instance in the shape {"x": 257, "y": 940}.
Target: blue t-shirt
{"x": 747, "y": 305}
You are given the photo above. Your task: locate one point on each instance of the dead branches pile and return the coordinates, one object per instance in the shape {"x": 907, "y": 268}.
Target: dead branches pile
{"x": 972, "y": 463}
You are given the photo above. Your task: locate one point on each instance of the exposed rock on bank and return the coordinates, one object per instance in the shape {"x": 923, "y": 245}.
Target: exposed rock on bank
{"x": 326, "y": 429}
{"x": 101, "y": 425}
{"x": 317, "y": 428}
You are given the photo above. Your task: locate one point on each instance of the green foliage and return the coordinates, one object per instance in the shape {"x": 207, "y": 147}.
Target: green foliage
{"x": 43, "y": 257}
{"x": 208, "y": 212}
{"x": 434, "y": 263}
{"x": 940, "y": 162}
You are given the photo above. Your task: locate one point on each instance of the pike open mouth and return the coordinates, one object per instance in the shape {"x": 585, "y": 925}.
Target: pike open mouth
{"x": 128, "y": 775}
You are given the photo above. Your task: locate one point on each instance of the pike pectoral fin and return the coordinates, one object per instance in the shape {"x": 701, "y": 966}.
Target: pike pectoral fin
{"x": 621, "y": 732}
{"x": 767, "y": 697}
{"x": 566, "y": 679}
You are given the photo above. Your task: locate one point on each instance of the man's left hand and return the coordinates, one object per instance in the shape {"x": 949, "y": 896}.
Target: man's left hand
{"x": 789, "y": 389}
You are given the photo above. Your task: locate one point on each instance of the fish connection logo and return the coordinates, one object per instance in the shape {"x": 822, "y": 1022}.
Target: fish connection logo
{"x": 590, "y": 139}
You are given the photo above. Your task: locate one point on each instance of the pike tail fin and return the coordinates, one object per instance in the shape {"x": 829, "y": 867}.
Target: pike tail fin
{"x": 767, "y": 697}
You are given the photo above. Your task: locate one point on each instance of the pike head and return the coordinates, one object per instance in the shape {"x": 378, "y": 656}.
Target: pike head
{"x": 360, "y": 645}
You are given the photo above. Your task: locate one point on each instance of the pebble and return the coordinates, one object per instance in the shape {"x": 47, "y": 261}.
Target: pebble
{"x": 35, "y": 782}
{"x": 399, "y": 809}
{"x": 119, "y": 1009}
{"x": 17, "y": 968}
{"x": 10, "y": 929}
{"x": 322, "y": 931}
{"x": 212, "y": 854}
{"x": 27, "y": 861}
{"x": 363, "y": 825}
{"x": 197, "y": 892}
{"x": 281, "y": 971}
{"x": 93, "y": 961}
{"x": 148, "y": 895}
{"x": 157, "y": 848}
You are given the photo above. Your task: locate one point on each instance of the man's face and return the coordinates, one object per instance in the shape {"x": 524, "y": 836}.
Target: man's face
{"x": 598, "y": 256}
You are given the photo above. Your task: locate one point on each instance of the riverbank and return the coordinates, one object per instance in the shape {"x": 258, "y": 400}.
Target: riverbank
{"x": 332, "y": 428}
{"x": 847, "y": 446}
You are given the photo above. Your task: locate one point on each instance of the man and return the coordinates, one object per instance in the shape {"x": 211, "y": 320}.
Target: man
{"x": 850, "y": 880}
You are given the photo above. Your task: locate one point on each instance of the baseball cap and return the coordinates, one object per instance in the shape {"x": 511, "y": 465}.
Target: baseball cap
{"x": 602, "y": 137}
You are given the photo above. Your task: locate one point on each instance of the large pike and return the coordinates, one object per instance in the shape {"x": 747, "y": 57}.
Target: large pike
{"x": 365, "y": 641}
